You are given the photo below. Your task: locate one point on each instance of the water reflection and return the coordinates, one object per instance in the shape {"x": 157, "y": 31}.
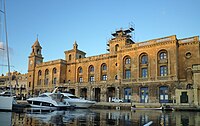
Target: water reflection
{"x": 86, "y": 117}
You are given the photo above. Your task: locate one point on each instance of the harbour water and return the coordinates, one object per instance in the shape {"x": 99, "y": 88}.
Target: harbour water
{"x": 96, "y": 117}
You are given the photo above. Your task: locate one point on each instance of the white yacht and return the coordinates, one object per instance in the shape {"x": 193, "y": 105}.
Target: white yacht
{"x": 77, "y": 102}
{"x": 48, "y": 101}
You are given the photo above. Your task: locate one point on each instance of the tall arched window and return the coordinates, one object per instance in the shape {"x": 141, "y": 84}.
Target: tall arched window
{"x": 116, "y": 47}
{"x": 54, "y": 70}
{"x": 54, "y": 77}
{"x": 39, "y": 77}
{"x": 91, "y": 73}
{"x": 163, "y": 55}
{"x": 104, "y": 72}
{"x": 70, "y": 57}
{"x": 46, "y": 77}
{"x": 162, "y": 61}
{"x": 127, "y": 67}
{"x": 80, "y": 75}
{"x": 103, "y": 67}
{"x": 144, "y": 59}
{"x": 80, "y": 70}
{"x": 91, "y": 68}
{"x": 143, "y": 65}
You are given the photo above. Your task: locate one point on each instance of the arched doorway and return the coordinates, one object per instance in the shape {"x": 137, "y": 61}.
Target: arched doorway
{"x": 97, "y": 94}
{"x": 110, "y": 93}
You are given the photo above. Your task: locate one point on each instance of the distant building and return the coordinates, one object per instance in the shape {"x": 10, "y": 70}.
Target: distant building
{"x": 144, "y": 72}
{"x": 18, "y": 83}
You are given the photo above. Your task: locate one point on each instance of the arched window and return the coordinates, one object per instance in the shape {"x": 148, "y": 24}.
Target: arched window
{"x": 91, "y": 68}
{"x": 38, "y": 51}
{"x": 162, "y": 63}
{"x": 79, "y": 75}
{"x": 103, "y": 67}
{"x": 70, "y": 57}
{"x": 104, "y": 72}
{"x": 143, "y": 65}
{"x": 54, "y": 70}
{"x": 46, "y": 72}
{"x": 54, "y": 79}
{"x": 39, "y": 77}
{"x": 91, "y": 74}
{"x": 127, "y": 67}
{"x": 144, "y": 59}
{"x": 46, "y": 77}
{"x": 163, "y": 55}
{"x": 127, "y": 60}
{"x": 116, "y": 48}
{"x": 80, "y": 70}
{"x": 39, "y": 73}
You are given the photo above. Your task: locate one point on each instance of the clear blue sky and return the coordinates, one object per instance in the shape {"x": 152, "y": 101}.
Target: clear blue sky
{"x": 90, "y": 22}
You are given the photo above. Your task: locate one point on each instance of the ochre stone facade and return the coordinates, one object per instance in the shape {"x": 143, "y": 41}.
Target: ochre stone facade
{"x": 149, "y": 71}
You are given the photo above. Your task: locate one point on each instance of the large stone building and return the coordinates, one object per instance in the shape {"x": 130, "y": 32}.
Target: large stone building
{"x": 146, "y": 72}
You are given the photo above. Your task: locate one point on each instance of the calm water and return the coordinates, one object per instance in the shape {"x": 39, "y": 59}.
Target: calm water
{"x": 93, "y": 117}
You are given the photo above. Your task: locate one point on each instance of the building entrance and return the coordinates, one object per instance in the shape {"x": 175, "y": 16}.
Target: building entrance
{"x": 72, "y": 91}
{"x": 110, "y": 93}
{"x": 163, "y": 94}
{"x": 144, "y": 97}
{"x": 83, "y": 93}
{"x": 97, "y": 94}
{"x": 127, "y": 94}
{"x": 184, "y": 97}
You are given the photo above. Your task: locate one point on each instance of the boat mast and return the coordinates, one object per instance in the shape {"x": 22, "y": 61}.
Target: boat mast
{"x": 6, "y": 33}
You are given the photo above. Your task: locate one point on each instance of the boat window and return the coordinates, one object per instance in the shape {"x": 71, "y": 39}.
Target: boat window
{"x": 43, "y": 95}
{"x": 65, "y": 97}
{"x": 73, "y": 97}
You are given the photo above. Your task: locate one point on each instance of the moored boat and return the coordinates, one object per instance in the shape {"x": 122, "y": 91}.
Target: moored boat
{"x": 49, "y": 101}
{"x": 76, "y": 101}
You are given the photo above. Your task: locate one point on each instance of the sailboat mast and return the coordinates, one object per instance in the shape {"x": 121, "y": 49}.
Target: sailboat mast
{"x": 8, "y": 59}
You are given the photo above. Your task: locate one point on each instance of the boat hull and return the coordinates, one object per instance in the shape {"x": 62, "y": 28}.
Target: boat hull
{"x": 6, "y": 103}
{"x": 81, "y": 104}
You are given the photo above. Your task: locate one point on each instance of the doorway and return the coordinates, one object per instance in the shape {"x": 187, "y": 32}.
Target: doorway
{"x": 144, "y": 97}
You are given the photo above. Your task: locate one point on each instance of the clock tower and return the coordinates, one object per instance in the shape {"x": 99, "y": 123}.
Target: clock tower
{"x": 35, "y": 58}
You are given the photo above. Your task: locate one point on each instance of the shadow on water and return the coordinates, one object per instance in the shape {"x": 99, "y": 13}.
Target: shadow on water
{"x": 96, "y": 117}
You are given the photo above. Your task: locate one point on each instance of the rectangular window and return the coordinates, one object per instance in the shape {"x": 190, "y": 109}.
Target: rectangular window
{"x": 54, "y": 80}
{"x": 39, "y": 82}
{"x": 104, "y": 77}
{"x": 46, "y": 81}
{"x": 127, "y": 74}
{"x": 163, "y": 70}
{"x": 29, "y": 84}
{"x": 144, "y": 72}
{"x": 91, "y": 79}
{"x": 80, "y": 79}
